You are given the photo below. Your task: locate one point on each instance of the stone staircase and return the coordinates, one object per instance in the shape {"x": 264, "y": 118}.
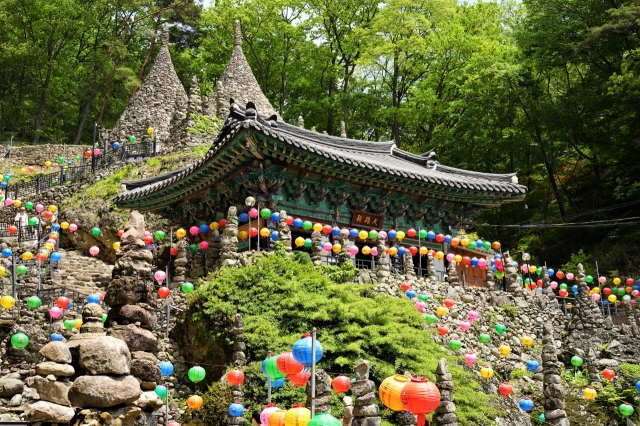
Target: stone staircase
{"x": 83, "y": 273}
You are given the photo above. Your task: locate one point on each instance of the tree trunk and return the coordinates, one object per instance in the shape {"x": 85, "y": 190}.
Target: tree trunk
{"x": 147, "y": 58}
{"x": 41, "y": 105}
{"x": 550, "y": 174}
{"x": 330, "y": 112}
{"x": 395, "y": 127}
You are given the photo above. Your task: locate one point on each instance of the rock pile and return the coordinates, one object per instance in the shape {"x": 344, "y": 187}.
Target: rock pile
{"x": 445, "y": 413}
{"x": 323, "y": 392}
{"x": 316, "y": 249}
{"x": 552, "y": 388}
{"x": 585, "y": 313}
{"x": 383, "y": 270}
{"x": 229, "y": 242}
{"x": 510, "y": 274}
{"x": 284, "y": 232}
{"x": 366, "y": 411}
{"x": 452, "y": 275}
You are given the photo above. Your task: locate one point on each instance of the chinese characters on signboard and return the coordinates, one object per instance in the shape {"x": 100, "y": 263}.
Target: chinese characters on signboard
{"x": 366, "y": 220}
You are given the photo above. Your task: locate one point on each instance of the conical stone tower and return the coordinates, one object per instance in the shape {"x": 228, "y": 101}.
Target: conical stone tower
{"x": 160, "y": 102}
{"x": 237, "y": 82}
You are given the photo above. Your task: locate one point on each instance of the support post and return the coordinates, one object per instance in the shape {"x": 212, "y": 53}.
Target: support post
{"x": 39, "y": 281}
{"x": 93, "y": 144}
{"x": 259, "y": 227}
{"x": 313, "y": 372}
{"x": 14, "y": 282}
{"x": 419, "y": 247}
{"x": 168, "y": 312}
{"x": 269, "y": 390}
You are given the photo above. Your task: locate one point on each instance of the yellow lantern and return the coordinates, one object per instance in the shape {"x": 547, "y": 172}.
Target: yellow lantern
{"x": 17, "y": 203}
{"x": 569, "y": 306}
{"x": 298, "y": 415}
{"x": 214, "y": 226}
{"x": 116, "y": 245}
{"x": 505, "y": 349}
{"x": 317, "y": 227}
{"x": 53, "y": 208}
{"x": 47, "y": 164}
{"x": 393, "y": 251}
{"x": 486, "y": 372}
{"x": 299, "y": 242}
{"x": 7, "y": 302}
{"x": 277, "y": 418}
{"x": 400, "y": 235}
{"x": 390, "y": 391}
{"x": 464, "y": 241}
{"x": 590, "y": 393}
{"x": 439, "y": 255}
{"x": 64, "y": 225}
{"x": 442, "y": 310}
{"x": 243, "y": 235}
{"x": 2, "y": 271}
{"x": 533, "y": 268}
{"x": 612, "y": 298}
{"x": 628, "y": 289}
{"x": 181, "y": 233}
{"x": 363, "y": 235}
{"x": 366, "y": 250}
{"x": 527, "y": 340}
{"x": 49, "y": 246}
{"x": 27, "y": 256}
{"x": 618, "y": 303}
{"x": 78, "y": 323}
{"x": 150, "y": 130}
{"x": 424, "y": 250}
{"x": 458, "y": 258}
{"x": 23, "y": 171}
{"x": 616, "y": 281}
{"x": 596, "y": 290}
{"x": 264, "y": 232}
{"x": 337, "y": 248}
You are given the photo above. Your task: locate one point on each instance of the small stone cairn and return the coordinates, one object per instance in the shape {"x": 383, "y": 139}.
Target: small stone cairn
{"x": 229, "y": 243}
{"x": 316, "y": 248}
{"x": 489, "y": 279}
{"x": 445, "y": 413}
{"x": 344, "y": 256}
{"x": 323, "y": 392}
{"x": 365, "y": 412}
{"x": 284, "y": 232}
{"x": 452, "y": 278}
{"x": 585, "y": 313}
{"x": 239, "y": 360}
{"x": 552, "y": 388}
{"x": 180, "y": 264}
{"x": 510, "y": 273}
{"x": 431, "y": 267}
{"x": 409, "y": 272}
{"x": 383, "y": 271}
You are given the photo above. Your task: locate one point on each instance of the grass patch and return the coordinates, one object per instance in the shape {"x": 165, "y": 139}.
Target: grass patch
{"x": 510, "y": 310}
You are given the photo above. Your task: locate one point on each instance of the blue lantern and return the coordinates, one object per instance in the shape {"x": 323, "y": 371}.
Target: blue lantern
{"x": 274, "y": 235}
{"x": 410, "y": 294}
{"x": 447, "y": 238}
{"x": 302, "y": 350}
{"x": 479, "y": 243}
{"x": 116, "y": 145}
{"x": 392, "y": 234}
{"x": 638, "y": 385}
{"x": 93, "y": 298}
{"x": 55, "y": 256}
{"x": 161, "y": 391}
{"x": 166, "y": 368}
{"x": 243, "y": 218}
{"x": 264, "y": 367}
{"x": 275, "y": 216}
{"x": 335, "y": 231}
{"x": 532, "y": 365}
{"x": 204, "y": 229}
{"x": 574, "y": 288}
{"x": 431, "y": 235}
{"x": 636, "y": 287}
{"x": 498, "y": 256}
{"x": 56, "y": 337}
{"x": 353, "y": 233}
{"x": 526, "y": 404}
{"x": 69, "y": 163}
{"x": 605, "y": 302}
{"x": 3, "y": 184}
{"x": 236, "y": 410}
{"x": 515, "y": 265}
{"x": 275, "y": 384}
{"x": 70, "y": 305}
{"x": 474, "y": 261}
{"x": 492, "y": 261}
{"x": 519, "y": 279}
{"x": 55, "y": 227}
{"x": 7, "y": 252}
{"x": 401, "y": 251}
{"x": 297, "y": 223}
{"x": 550, "y": 272}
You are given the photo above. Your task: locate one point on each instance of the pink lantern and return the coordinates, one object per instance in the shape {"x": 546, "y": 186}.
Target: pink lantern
{"x": 353, "y": 250}
{"x": 465, "y": 325}
{"x": 327, "y": 246}
{"x": 160, "y": 276}
{"x": 420, "y": 305}
{"x": 635, "y": 293}
{"x": 632, "y": 302}
{"x": 473, "y": 315}
{"x": 147, "y": 232}
{"x": 374, "y": 251}
{"x": 482, "y": 263}
{"x": 382, "y": 234}
{"x": 94, "y": 251}
{"x": 204, "y": 245}
{"x": 569, "y": 276}
{"x": 595, "y": 297}
{"x": 269, "y": 410}
{"x": 553, "y": 285}
{"x": 55, "y": 312}
{"x": 39, "y": 208}
{"x": 253, "y": 213}
{"x": 524, "y": 268}
{"x": 470, "y": 359}
{"x": 451, "y": 257}
{"x": 73, "y": 227}
{"x": 602, "y": 280}
{"x": 194, "y": 230}
{"x": 52, "y": 241}
{"x": 96, "y": 151}
{"x": 8, "y": 202}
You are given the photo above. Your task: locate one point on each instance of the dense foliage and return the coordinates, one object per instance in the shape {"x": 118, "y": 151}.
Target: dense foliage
{"x": 543, "y": 88}
{"x": 281, "y": 298}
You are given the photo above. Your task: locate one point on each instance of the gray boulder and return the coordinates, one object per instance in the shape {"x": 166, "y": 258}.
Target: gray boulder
{"x": 60, "y": 370}
{"x": 56, "y": 352}
{"x": 138, "y": 339}
{"x": 105, "y": 355}
{"x": 10, "y": 387}
{"x": 104, "y": 391}
{"x": 57, "y": 392}
{"x": 145, "y": 366}
{"x": 43, "y": 411}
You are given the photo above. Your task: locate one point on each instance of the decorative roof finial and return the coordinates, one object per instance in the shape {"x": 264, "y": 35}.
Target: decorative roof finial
{"x": 300, "y": 122}
{"x": 237, "y": 34}
{"x": 164, "y": 37}
{"x": 343, "y": 129}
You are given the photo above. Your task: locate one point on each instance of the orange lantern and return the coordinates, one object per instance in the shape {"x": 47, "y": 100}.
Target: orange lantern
{"x": 235, "y": 377}
{"x": 287, "y": 364}
{"x": 420, "y": 397}
{"x": 299, "y": 379}
{"x": 298, "y": 415}
{"x": 341, "y": 384}
{"x": 442, "y": 329}
{"x": 390, "y": 391}
{"x": 506, "y": 389}
{"x": 194, "y": 402}
{"x": 496, "y": 245}
{"x": 277, "y": 418}
{"x": 455, "y": 241}
{"x": 609, "y": 374}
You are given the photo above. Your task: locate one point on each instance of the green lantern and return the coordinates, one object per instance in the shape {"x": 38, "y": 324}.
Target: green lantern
{"x": 501, "y": 328}
{"x": 431, "y": 318}
{"x": 77, "y": 158}
{"x": 324, "y": 419}
{"x": 588, "y": 279}
{"x": 423, "y": 234}
{"x": 19, "y": 340}
{"x": 373, "y": 235}
{"x": 60, "y": 160}
{"x": 271, "y": 368}
{"x": 626, "y": 298}
{"x": 576, "y": 361}
{"x": 626, "y": 409}
{"x": 69, "y": 324}
{"x": 265, "y": 213}
{"x": 132, "y": 138}
{"x": 485, "y": 338}
{"x": 455, "y": 344}
{"x": 21, "y": 270}
{"x": 423, "y": 297}
{"x": 159, "y": 235}
{"x": 306, "y": 225}
{"x": 95, "y": 231}
{"x": 32, "y": 221}
{"x": 486, "y": 245}
{"x": 541, "y": 418}
{"x": 161, "y": 391}
{"x": 563, "y": 286}
{"x": 187, "y": 287}
{"x": 96, "y": 145}
{"x": 104, "y": 317}
{"x": 527, "y": 281}
{"x": 28, "y": 205}
{"x": 7, "y": 178}
{"x": 34, "y": 302}
{"x": 193, "y": 248}
{"x": 308, "y": 243}
{"x": 196, "y": 374}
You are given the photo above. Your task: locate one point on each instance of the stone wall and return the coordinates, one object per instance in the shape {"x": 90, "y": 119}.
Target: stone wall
{"x": 36, "y": 155}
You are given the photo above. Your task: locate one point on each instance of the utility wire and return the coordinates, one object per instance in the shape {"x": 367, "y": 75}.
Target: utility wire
{"x": 593, "y": 224}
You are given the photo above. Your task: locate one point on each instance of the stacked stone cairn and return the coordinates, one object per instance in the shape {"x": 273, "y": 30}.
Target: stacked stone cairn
{"x": 510, "y": 274}
{"x": 323, "y": 392}
{"x": 489, "y": 279}
{"x": 546, "y": 287}
{"x": 316, "y": 248}
{"x": 383, "y": 271}
{"x": 365, "y": 412}
{"x": 284, "y": 232}
{"x": 452, "y": 275}
{"x": 229, "y": 243}
{"x": 180, "y": 264}
{"x": 552, "y": 388}
{"x": 347, "y": 417}
{"x": 409, "y": 272}
{"x": 445, "y": 413}
{"x": 585, "y": 313}
{"x": 344, "y": 256}
{"x": 239, "y": 360}
{"x": 431, "y": 267}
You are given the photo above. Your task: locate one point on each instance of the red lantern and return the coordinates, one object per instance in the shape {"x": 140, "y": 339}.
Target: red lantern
{"x": 498, "y": 262}
{"x": 235, "y": 377}
{"x": 299, "y": 379}
{"x": 533, "y": 286}
{"x": 405, "y": 286}
{"x": 506, "y": 389}
{"x": 62, "y": 302}
{"x": 440, "y": 238}
{"x": 164, "y": 292}
{"x": 289, "y": 220}
{"x": 442, "y": 329}
{"x": 148, "y": 239}
{"x": 222, "y": 223}
{"x": 12, "y": 229}
{"x": 539, "y": 283}
{"x": 629, "y": 281}
{"x": 41, "y": 257}
{"x": 466, "y": 260}
{"x": 341, "y": 384}
{"x": 253, "y": 232}
{"x": 87, "y": 153}
{"x": 413, "y": 250}
{"x": 173, "y": 251}
{"x": 48, "y": 214}
{"x": 120, "y": 232}
{"x": 448, "y": 303}
{"x": 411, "y": 233}
{"x": 326, "y": 229}
{"x": 431, "y": 253}
{"x": 287, "y": 364}
{"x": 608, "y": 373}
{"x": 563, "y": 293}
{"x": 420, "y": 397}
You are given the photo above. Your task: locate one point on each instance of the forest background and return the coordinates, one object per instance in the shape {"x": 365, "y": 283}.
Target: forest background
{"x": 545, "y": 88}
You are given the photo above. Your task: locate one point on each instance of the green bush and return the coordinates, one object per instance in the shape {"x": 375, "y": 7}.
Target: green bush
{"x": 280, "y": 299}
{"x": 302, "y": 257}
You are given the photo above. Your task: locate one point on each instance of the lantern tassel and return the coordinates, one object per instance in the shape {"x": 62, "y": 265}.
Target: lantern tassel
{"x": 421, "y": 420}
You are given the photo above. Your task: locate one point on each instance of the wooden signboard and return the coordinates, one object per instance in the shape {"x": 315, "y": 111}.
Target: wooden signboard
{"x": 366, "y": 220}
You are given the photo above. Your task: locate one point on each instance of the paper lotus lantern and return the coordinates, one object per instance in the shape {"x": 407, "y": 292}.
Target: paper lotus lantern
{"x": 7, "y": 302}
{"x": 576, "y": 361}
{"x": 470, "y": 358}
{"x": 160, "y": 276}
{"x": 486, "y": 372}
{"x": 187, "y": 287}
{"x": 527, "y": 340}
{"x": 442, "y": 329}
{"x": 420, "y": 397}
{"x": 431, "y": 318}
{"x": 608, "y": 373}
{"x": 504, "y": 349}
{"x": 532, "y": 365}
{"x": 235, "y": 377}
{"x": 390, "y": 391}
{"x": 525, "y": 404}
{"x": 501, "y": 328}
{"x": 448, "y": 303}
{"x": 337, "y": 248}
{"x": 374, "y": 251}
{"x": 300, "y": 242}
{"x": 55, "y": 312}
{"x": 19, "y": 340}
{"x": 302, "y": 350}
{"x": 353, "y": 250}
{"x": 277, "y": 418}
{"x": 455, "y": 344}
{"x": 442, "y": 310}
{"x": 287, "y": 364}
{"x": 265, "y": 232}
{"x": 590, "y": 393}
{"x": 405, "y": 286}
{"x": 268, "y": 411}
{"x": 62, "y": 302}
{"x": 625, "y": 409}
{"x": 12, "y": 229}
{"x": 324, "y": 419}
{"x": 341, "y": 384}
{"x": 196, "y": 374}
{"x": 506, "y": 389}
{"x": 57, "y": 337}
{"x": 485, "y": 338}
{"x": 298, "y": 415}
{"x": 194, "y": 402}
{"x": 181, "y": 233}
{"x": 473, "y": 315}
{"x": 94, "y": 250}
{"x": 69, "y": 324}
{"x": 308, "y": 243}
{"x": 299, "y": 379}
{"x": 439, "y": 255}
{"x": 420, "y": 305}
{"x": 164, "y": 292}
{"x": 161, "y": 391}
{"x": 33, "y": 302}
{"x": 465, "y": 325}
{"x": 270, "y": 368}
{"x": 366, "y": 250}
{"x": 236, "y": 410}
{"x": 166, "y": 368}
